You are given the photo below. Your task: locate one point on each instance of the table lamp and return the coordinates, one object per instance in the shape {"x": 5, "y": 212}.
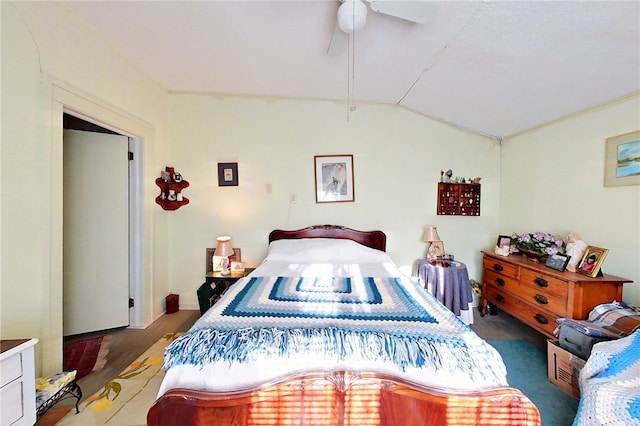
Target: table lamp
{"x": 436, "y": 246}
{"x": 224, "y": 250}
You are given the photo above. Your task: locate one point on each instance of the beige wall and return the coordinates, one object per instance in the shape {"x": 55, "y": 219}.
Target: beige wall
{"x": 398, "y": 156}
{"x": 553, "y": 181}
{"x": 48, "y": 57}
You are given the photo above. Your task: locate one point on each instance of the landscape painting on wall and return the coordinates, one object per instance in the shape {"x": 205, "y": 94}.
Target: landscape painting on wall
{"x": 622, "y": 160}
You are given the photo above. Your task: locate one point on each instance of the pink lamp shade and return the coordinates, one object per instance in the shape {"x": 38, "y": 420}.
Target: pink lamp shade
{"x": 224, "y": 246}
{"x": 224, "y": 250}
{"x": 430, "y": 234}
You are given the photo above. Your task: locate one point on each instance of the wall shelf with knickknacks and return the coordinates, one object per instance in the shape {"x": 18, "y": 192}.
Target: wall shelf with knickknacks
{"x": 460, "y": 199}
{"x": 171, "y": 185}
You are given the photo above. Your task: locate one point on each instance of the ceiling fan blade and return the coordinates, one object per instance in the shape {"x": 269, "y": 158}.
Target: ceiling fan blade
{"x": 338, "y": 42}
{"x": 420, "y": 12}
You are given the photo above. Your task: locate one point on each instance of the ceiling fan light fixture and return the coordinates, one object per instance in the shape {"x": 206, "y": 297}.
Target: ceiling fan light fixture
{"x": 352, "y": 15}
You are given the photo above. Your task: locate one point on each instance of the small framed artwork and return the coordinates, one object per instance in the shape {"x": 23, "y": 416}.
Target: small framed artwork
{"x": 237, "y": 266}
{"x": 214, "y": 263}
{"x": 235, "y": 257}
{"x": 503, "y": 240}
{"x": 622, "y": 160}
{"x": 227, "y": 174}
{"x": 558, "y": 261}
{"x": 591, "y": 261}
{"x": 334, "y": 178}
{"x": 438, "y": 248}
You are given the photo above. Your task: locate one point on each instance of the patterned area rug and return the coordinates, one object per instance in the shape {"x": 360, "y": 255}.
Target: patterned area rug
{"x": 126, "y": 399}
{"x": 86, "y": 355}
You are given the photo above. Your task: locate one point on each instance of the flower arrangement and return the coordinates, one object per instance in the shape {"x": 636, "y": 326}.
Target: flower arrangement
{"x": 538, "y": 242}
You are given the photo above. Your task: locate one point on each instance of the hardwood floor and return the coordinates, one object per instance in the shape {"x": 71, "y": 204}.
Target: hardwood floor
{"x": 127, "y": 344}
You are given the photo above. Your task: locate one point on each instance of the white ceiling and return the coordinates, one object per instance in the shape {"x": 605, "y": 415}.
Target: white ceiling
{"x": 494, "y": 67}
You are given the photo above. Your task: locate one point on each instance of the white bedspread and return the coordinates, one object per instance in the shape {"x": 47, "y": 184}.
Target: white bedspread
{"x": 358, "y": 263}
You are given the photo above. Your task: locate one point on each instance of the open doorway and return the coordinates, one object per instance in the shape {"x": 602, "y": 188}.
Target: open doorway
{"x": 95, "y": 228}
{"x": 68, "y": 100}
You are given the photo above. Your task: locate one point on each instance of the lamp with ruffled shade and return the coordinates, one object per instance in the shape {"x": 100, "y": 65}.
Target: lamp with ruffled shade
{"x": 224, "y": 250}
{"x": 435, "y": 249}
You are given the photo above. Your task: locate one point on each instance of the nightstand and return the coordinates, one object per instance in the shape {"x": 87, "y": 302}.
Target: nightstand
{"x": 448, "y": 281}
{"x": 215, "y": 285}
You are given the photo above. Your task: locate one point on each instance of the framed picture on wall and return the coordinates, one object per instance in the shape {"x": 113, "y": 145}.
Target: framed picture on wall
{"x": 227, "y": 174}
{"x": 622, "y": 160}
{"x": 334, "y": 178}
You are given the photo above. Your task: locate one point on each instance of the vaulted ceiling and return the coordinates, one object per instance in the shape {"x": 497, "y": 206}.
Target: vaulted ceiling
{"x": 493, "y": 67}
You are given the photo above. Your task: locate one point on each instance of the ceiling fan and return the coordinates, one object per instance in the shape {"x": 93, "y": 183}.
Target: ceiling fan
{"x": 352, "y": 16}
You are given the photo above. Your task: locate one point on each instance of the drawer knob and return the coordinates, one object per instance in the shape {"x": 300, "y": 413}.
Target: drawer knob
{"x": 541, "y": 282}
{"x": 541, "y": 319}
{"x": 497, "y": 267}
{"x": 500, "y": 282}
{"x": 500, "y": 298}
{"x": 541, "y": 299}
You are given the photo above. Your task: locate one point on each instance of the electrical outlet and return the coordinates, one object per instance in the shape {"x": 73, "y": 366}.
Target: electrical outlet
{"x": 294, "y": 198}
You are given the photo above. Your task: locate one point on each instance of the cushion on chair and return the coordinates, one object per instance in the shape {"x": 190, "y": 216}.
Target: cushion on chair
{"x": 46, "y": 387}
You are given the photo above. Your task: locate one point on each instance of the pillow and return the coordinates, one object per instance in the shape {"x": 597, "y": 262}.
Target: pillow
{"x": 305, "y": 250}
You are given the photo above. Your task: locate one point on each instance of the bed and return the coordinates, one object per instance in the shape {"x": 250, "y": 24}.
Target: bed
{"x": 328, "y": 331}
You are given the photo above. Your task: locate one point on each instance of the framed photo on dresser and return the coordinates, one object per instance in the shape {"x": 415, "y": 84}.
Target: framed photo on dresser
{"x": 591, "y": 261}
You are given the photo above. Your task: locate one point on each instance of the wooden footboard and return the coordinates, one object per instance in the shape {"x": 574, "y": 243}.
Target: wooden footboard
{"x": 343, "y": 398}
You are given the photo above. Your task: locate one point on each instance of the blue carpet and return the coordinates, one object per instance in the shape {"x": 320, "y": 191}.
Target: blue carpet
{"x": 527, "y": 371}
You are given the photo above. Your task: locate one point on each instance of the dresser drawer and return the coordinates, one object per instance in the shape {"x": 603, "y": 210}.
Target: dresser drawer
{"x": 12, "y": 407}
{"x": 547, "y": 292}
{"x": 500, "y": 281}
{"x": 504, "y": 268}
{"x": 11, "y": 369}
{"x": 539, "y": 319}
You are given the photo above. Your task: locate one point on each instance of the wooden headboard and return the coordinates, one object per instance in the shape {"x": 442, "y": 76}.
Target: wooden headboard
{"x": 373, "y": 239}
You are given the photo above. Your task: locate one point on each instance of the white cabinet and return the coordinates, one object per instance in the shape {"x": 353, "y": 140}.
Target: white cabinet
{"x": 18, "y": 382}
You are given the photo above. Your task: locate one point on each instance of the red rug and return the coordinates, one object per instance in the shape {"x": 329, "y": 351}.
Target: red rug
{"x": 86, "y": 355}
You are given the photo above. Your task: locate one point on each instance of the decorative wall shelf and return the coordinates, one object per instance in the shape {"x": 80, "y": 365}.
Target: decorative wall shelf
{"x": 171, "y": 185}
{"x": 460, "y": 199}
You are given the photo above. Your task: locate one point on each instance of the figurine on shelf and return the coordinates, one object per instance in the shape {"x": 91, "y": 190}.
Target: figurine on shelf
{"x": 441, "y": 175}
{"x": 477, "y": 180}
{"x": 171, "y": 172}
{"x": 575, "y": 249}
{"x": 448, "y": 175}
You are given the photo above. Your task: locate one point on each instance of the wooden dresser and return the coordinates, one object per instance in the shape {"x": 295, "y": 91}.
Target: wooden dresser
{"x": 538, "y": 295}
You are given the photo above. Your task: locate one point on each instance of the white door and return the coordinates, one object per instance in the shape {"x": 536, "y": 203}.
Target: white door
{"x": 96, "y": 232}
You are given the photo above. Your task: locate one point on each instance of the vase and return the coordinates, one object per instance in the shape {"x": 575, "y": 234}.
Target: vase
{"x": 535, "y": 256}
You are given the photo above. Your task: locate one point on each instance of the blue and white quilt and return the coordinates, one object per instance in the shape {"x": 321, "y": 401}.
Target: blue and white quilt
{"x": 610, "y": 384}
{"x": 268, "y": 327}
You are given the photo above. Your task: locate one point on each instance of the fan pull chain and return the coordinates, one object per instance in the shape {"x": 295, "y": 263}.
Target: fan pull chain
{"x": 351, "y": 68}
